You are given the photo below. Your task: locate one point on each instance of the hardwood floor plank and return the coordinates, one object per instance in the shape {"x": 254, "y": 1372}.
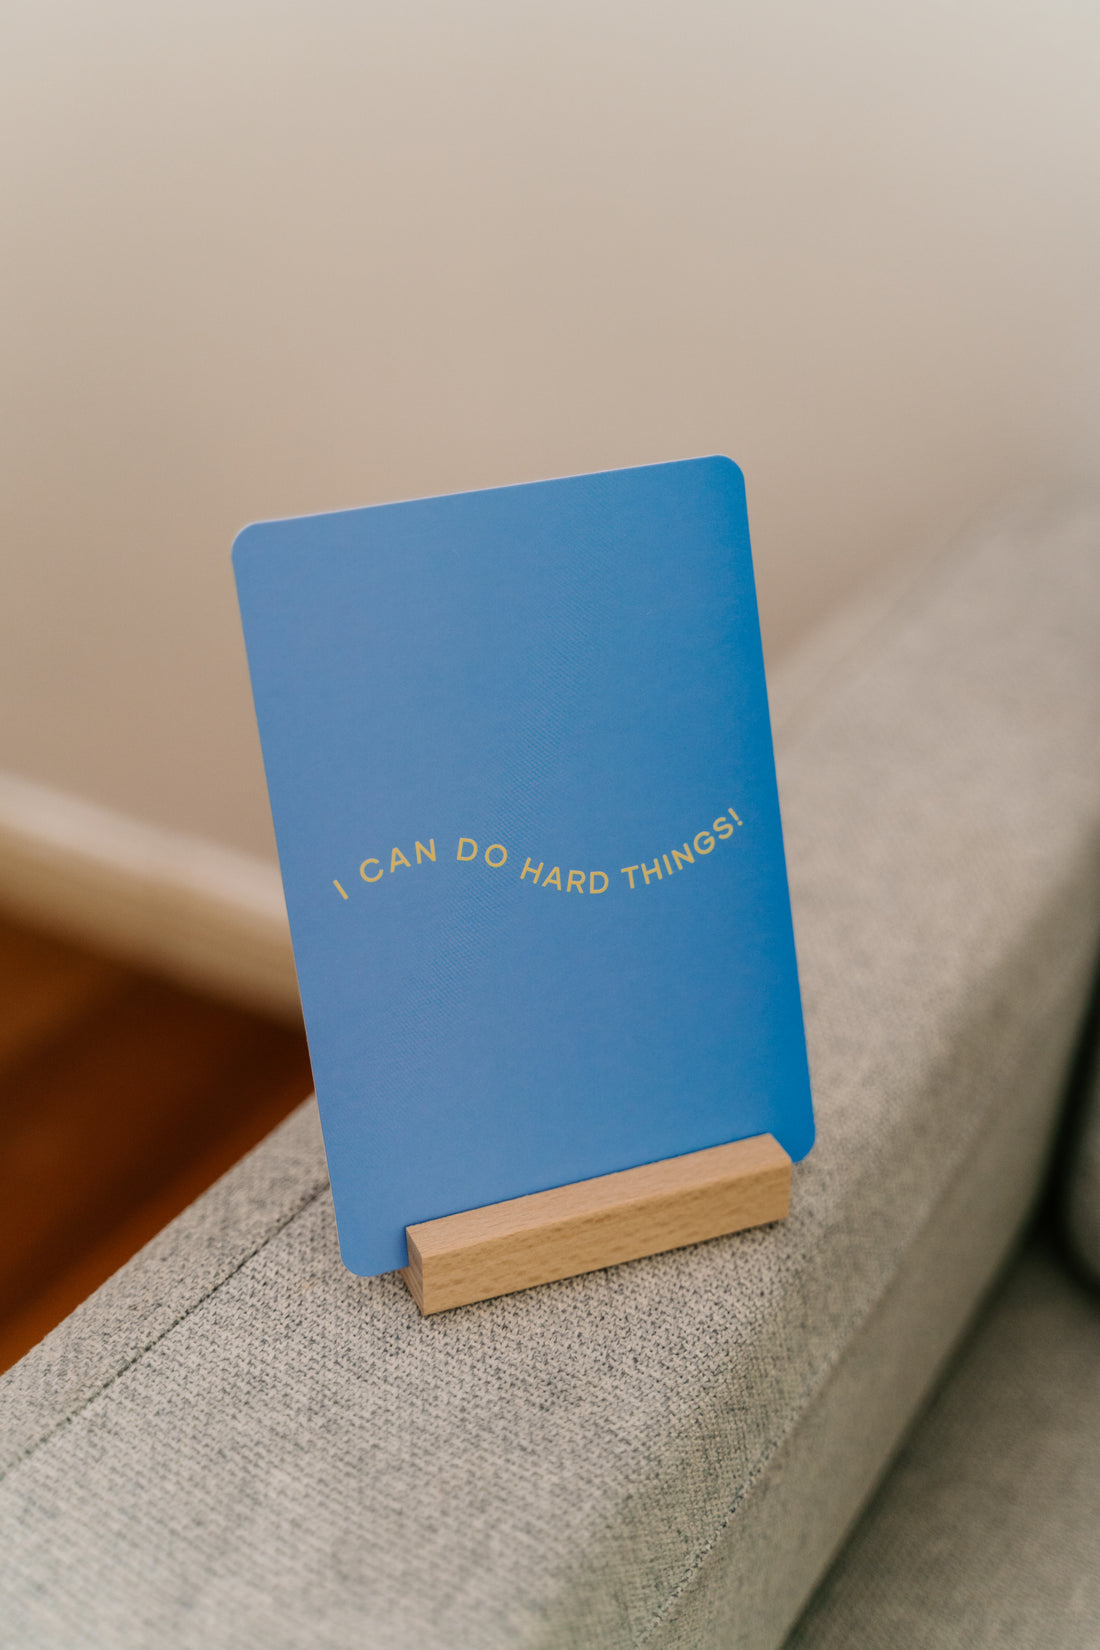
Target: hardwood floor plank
{"x": 122, "y": 1099}
{"x": 26, "y": 1324}
{"x": 46, "y": 985}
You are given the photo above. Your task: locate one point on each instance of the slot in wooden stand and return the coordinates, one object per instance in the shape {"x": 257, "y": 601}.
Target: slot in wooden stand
{"x": 595, "y": 1223}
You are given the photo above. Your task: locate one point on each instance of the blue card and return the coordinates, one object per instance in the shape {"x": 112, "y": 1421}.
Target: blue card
{"x": 520, "y": 766}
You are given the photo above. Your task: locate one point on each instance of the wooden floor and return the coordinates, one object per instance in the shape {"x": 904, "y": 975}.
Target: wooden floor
{"x": 122, "y": 1097}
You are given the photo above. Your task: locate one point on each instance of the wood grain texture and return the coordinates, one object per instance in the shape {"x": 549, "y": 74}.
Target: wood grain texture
{"x": 595, "y": 1223}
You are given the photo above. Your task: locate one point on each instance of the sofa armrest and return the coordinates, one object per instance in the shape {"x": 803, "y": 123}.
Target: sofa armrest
{"x": 237, "y": 1443}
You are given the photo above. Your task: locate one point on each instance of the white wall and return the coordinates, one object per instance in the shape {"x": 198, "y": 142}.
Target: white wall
{"x": 270, "y": 258}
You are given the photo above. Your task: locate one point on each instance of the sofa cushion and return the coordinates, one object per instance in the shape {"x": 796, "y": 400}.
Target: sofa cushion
{"x": 984, "y": 1535}
{"x": 237, "y": 1443}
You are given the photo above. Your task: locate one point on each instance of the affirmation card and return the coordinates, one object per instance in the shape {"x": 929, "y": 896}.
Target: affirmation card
{"x": 520, "y": 765}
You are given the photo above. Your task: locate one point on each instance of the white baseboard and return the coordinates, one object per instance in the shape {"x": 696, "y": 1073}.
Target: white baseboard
{"x": 206, "y": 915}
{"x": 215, "y": 918}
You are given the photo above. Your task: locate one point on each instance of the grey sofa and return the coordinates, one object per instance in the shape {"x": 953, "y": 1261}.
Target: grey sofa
{"x": 235, "y": 1443}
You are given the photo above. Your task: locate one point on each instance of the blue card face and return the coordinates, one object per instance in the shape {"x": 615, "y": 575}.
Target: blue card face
{"x": 520, "y": 765}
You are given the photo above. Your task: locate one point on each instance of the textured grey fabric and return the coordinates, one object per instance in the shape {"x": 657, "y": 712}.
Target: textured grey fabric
{"x": 986, "y": 1535}
{"x": 1083, "y": 1183}
{"x": 172, "y": 1275}
{"x": 276, "y": 1454}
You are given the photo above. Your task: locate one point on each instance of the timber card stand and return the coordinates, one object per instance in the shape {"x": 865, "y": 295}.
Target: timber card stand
{"x": 520, "y": 765}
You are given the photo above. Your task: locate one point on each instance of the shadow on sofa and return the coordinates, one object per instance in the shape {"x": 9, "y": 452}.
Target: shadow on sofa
{"x": 986, "y": 1531}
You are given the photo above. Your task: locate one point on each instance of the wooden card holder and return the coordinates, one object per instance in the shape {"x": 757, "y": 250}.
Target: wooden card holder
{"x": 561, "y": 1233}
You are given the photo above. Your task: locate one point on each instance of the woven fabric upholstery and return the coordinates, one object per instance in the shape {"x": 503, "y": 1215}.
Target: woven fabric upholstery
{"x": 985, "y": 1534}
{"x": 237, "y": 1444}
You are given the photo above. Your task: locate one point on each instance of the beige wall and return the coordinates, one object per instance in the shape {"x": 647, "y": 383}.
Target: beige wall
{"x": 269, "y": 258}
